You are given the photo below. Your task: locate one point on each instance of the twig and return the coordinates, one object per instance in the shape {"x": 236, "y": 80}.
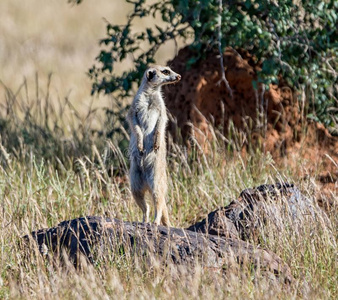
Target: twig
{"x": 219, "y": 25}
{"x": 278, "y": 40}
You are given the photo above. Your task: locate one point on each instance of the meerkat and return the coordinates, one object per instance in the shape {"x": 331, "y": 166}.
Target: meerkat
{"x": 147, "y": 118}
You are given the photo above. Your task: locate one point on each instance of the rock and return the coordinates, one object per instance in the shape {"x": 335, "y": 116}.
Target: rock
{"x": 95, "y": 237}
{"x": 278, "y": 205}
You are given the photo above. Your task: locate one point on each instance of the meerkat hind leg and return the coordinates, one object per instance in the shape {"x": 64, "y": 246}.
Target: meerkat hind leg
{"x": 161, "y": 211}
{"x": 139, "y": 197}
{"x": 165, "y": 216}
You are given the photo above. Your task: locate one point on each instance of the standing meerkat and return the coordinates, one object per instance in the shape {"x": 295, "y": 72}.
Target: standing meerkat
{"x": 147, "y": 118}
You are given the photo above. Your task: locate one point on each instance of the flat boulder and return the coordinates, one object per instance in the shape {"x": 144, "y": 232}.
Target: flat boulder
{"x": 95, "y": 238}
{"x": 276, "y": 206}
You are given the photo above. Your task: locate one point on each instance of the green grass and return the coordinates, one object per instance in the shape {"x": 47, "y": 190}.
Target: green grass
{"x": 42, "y": 182}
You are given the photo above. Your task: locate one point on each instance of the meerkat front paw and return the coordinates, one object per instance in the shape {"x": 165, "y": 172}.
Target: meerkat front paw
{"x": 156, "y": 142}
{"x": 140, "y": 148}
{"x": 156, "y": 147}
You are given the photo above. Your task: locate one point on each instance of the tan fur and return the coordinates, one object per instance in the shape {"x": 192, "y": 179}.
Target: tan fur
{"x": 148, "y": 118}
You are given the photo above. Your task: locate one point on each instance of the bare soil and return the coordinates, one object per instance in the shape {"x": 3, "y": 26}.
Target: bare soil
{"x": 272, "y": 119}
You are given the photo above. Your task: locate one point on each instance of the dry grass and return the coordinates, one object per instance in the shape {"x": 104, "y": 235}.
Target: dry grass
{"x": 58, "y": 38}
{"x": 55, "y": 166}
{"x": 52, "y": 38}
{"x": 40, "y": 191}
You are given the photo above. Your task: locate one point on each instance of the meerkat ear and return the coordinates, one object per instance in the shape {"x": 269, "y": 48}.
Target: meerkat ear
{"x": 151, "y": 74}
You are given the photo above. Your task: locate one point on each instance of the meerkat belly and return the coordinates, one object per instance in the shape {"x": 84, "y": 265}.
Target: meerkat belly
{"x": 150, "y": 122}
{"x": 148, "y": 125}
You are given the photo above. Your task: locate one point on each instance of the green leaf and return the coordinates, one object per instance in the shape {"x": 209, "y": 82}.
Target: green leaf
{"x": 291, "y": 40}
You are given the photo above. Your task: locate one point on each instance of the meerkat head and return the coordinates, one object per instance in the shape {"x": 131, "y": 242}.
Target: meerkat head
{"x": 159, "y": 75}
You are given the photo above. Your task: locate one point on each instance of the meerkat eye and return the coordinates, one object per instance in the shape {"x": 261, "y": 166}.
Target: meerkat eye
{"x": 165, "y": 72}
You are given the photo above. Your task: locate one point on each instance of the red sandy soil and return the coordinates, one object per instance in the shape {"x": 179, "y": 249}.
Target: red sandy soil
{"x": 272, "y": 118}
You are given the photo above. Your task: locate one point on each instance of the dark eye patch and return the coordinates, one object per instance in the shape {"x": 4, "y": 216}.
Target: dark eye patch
{"x": 165, "y": 72}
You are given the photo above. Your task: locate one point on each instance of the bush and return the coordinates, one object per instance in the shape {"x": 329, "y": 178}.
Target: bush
{"x": 295, "y": 40}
